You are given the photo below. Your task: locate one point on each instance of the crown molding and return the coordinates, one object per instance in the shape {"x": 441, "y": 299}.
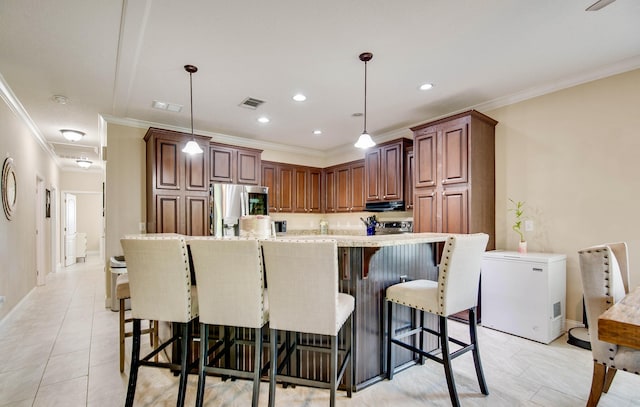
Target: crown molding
{"x": 16, "y": 107}
{"x": 217, "y": 137}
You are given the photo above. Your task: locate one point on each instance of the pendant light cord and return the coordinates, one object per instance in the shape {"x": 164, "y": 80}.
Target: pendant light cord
{"x": 191, "y": 101}
{"x": 365, "y": 96}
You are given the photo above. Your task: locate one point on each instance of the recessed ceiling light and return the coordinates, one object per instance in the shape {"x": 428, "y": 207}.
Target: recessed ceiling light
{"x": 172, "y": 107}
{"x": 317, "y": 132}
{"x": 63, "y": 100}
{"x": 426, "y": 86}
{"x": 263, "y": 119}
{"x": 299, "y": 97}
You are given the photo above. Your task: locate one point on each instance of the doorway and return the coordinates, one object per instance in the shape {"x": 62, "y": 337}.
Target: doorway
{"x": 69, "y": 229}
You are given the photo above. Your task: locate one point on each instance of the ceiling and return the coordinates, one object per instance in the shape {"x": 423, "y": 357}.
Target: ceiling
{"x": 114, "y": 58}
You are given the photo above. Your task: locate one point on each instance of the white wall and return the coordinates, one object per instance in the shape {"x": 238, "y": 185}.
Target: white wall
{"x": 18, "y": 236}
{"x": 573, "y": 157}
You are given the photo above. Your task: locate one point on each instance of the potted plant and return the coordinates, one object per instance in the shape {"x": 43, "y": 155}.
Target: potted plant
{"x": 518, "y": 210}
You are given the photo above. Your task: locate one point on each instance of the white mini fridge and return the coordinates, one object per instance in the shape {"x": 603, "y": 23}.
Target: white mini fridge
{"x": 524, "y": 294}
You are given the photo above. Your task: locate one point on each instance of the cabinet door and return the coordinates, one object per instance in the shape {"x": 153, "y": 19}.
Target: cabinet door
{"x": 248, "y": 167}
{"x": 358, "y": 198}
{"x": 373, "y": 174}
{"x": 286, "y": 187}
{"x": 392, "y": 180}
{"x": 314, "y": 190}
{"x": 455, "y": 152}
{"x": 222, "y": 164}
{"x": 425, "y": 210}
{"x": 343, "y": 189}
{"x": 426, "y": 153}
{"x": 300, "y": 188}
{"x": 455, "y": 211}
{"x": 196, "y": 177}
{"x": 168, "y": 210}
{"x": 269, "y": 180}
{"x": 330, "y": 195}
{"x": 168, "y": 168}
{"x": 197, "y": 215}
{"x": 408, "y": 185}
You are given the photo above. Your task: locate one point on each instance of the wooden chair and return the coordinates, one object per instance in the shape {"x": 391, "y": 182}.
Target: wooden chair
{"x": 123, "y": 294}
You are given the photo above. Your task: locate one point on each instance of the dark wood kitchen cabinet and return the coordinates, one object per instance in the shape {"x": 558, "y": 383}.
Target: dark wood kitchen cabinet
{"x": 454, "y": 175}
{"x": 234, "y": 165}
{"x": 344, "y": 187}
{"x": 292, "y": 188}
{"x": 177, "y": 184}
{"x": 307, "y": 189}
{"x": 385, "y": 171}
{"x": 408, "y": 178}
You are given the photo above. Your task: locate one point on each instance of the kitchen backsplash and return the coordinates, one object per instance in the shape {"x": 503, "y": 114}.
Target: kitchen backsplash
{"x": 339, "y": 223}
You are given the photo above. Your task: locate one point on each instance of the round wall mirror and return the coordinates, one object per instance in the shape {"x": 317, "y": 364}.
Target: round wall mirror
{"x": 9, "y": 188}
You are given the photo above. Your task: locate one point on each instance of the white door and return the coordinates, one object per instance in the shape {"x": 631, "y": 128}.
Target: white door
{"x": 69, "y": 229}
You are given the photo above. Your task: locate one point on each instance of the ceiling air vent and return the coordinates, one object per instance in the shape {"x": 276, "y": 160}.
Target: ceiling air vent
{"x": 251, "y": 103}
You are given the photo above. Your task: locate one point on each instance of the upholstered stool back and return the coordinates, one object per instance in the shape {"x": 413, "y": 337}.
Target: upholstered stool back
{"x": 302, "y": 277}
{"x": 459, "y": 273}
{"x": 230, "y": 271}
{"x": 159, "y": 278}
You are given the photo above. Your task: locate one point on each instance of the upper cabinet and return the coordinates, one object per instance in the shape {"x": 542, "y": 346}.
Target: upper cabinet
{"x": 344, "y": 187}
{"x": 454, "y": 175}
{"x": 292, "y": 188}
{"x": 235, "y": 165}
{"x": 177, "y": 184}
{"x": 385, "y": 171}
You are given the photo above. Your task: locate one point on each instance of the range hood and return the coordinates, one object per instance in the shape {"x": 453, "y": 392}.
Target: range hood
{"x": 384, "y": 206}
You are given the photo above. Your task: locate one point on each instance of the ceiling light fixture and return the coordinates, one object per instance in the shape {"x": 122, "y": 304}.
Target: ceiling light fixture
{"x": 299, "y": 97}
{"x": 60, "y": 99}
{"x": 84, "y": 163}
{"x": 317, "y": 132}
{"x": 263, "y": 119}
{"x": 192, "y": 146}
{"x": 72, "y": 135}
{"x": 365, "y": 140}
{"x": 426, "y": 86}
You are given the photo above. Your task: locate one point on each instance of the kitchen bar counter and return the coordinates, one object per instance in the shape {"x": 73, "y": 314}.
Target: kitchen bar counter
{"x": 367, "y": 266}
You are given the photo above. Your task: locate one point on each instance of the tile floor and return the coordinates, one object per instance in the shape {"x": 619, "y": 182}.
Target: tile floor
{"x": 59, "y": 347}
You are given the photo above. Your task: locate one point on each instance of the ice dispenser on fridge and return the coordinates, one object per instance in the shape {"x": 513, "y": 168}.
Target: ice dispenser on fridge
{"x": 229, "y": 202}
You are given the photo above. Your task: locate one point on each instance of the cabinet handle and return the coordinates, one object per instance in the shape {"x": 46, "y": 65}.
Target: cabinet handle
{"x": 537, "y": 269}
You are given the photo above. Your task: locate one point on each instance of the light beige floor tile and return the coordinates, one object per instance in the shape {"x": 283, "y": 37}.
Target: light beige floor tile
{"x": 70, "y": 393}
{"x": 66, "y": 366}
{"x": 76, "y": 331}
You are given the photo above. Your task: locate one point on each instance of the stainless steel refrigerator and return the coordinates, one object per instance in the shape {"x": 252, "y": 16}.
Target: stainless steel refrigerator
{"x": 229, "y": 202}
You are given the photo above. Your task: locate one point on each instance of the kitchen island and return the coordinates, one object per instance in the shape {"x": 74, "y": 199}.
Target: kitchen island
{"x": 367, "y": 266}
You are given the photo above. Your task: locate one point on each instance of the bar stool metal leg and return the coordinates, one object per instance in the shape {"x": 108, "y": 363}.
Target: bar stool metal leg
{"x": 473, "y": 334}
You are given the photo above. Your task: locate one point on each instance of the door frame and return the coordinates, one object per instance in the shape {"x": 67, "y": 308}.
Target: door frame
{"x": 41, "y": 271}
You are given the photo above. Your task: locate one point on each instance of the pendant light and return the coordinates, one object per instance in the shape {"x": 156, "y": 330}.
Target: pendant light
{"x": 365, "y": 140}
{"x": 192, "y": 146}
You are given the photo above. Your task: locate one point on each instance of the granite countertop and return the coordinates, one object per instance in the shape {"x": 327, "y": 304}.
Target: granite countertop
{"x": 373, "y": 241}
{"x": 348, "y": 240}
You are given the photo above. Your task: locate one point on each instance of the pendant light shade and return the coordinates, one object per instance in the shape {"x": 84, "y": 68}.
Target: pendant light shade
{"x": 365, "y": 140}
{"x": 192, "y": 146}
